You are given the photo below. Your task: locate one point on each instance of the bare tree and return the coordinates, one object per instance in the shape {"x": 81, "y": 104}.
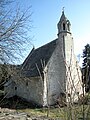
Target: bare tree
{"x": 13, "y": 31}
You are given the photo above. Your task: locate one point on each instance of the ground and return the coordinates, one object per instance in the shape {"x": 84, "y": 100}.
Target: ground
{"x": 18, "y": 109}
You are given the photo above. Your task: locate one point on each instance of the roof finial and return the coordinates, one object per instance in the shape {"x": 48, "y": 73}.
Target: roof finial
{"x": 63, "y": 10}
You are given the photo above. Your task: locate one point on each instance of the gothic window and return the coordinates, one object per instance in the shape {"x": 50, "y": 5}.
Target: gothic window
{"x": 63, "y": 26}
{"x": 68, "y": 25}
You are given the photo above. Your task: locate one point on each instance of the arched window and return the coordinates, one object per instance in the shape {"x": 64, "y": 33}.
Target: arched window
{"x": 68, "y": 27}
{"x": 63, "y": 26}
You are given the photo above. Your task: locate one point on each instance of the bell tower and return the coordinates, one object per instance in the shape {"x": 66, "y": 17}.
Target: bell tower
{"x": 66, "y": 50}
{"x": 63, "y": 24}
{"x": 65, "y": 37}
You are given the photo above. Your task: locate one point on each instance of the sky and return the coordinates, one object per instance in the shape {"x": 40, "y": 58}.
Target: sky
{"x": 46, "y": 15}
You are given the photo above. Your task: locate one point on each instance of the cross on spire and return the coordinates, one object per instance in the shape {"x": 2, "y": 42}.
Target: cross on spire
{"x": 63, "y": 9}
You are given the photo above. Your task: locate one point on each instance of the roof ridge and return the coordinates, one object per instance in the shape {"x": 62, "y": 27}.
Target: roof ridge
{"x": 46, "y": 44}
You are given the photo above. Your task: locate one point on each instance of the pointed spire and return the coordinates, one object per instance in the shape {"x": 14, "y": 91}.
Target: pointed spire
{"x": 63, "y": 17}
{"x": 63, "y": 24}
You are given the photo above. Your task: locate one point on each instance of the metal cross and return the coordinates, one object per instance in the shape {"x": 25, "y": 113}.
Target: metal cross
{"x": 63, "y": 9}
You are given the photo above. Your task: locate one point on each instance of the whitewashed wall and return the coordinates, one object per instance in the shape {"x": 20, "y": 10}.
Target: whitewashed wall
{"x": 56, "y": 75}
{"x": 31, "y": 90}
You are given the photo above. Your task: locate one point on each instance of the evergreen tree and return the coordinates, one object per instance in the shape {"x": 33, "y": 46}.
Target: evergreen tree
{"x": 86, "y": 67}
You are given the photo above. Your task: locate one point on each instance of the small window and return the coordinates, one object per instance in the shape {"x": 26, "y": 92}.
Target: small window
{"x": 63, "y": 26}
{"x": 15, "y": 88}
{"x": 68, "y": 27}
{"x": 69, "y": 95}
{"x": 26, "y": 83}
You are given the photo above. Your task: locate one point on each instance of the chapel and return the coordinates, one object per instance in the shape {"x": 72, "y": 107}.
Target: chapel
{"x": 50, "y": 72}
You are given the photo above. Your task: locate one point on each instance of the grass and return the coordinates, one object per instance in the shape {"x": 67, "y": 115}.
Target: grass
{"x": 53, "y": 112}
{"x": 59, "y": 112}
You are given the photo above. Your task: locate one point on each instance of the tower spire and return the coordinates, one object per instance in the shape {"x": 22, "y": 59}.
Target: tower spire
{"x": 63, "y": 24}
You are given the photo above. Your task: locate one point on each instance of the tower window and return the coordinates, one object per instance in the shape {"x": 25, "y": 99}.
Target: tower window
{"x": 63, "y": 26}
{"x": 68, "y": 27}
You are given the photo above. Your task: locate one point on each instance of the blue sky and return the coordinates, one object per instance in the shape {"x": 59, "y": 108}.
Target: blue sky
{"x": 46, "y": 14}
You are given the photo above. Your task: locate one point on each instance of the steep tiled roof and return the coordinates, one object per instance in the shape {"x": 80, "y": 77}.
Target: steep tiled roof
{"x": 34, "y": 61}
